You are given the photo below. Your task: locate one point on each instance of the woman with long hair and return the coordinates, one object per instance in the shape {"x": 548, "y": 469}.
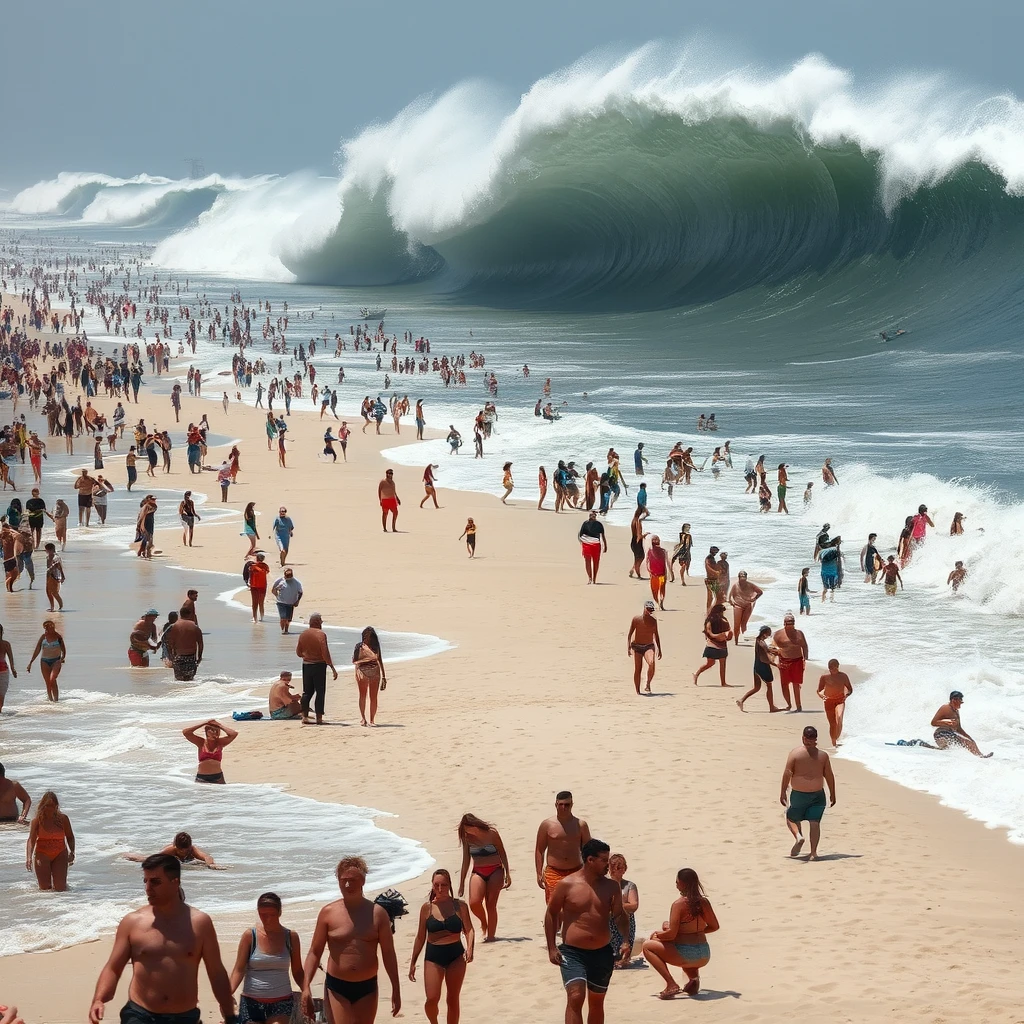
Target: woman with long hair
{"x": 542, "y": 483}
{"x": 507, "y": 482}
{"x": 51, "y": 844}
{"x": 265, "y": 956}
{"x": 370, "y": 674}
{"x": 682, "y": 941}
{"x": 636, "y": 544}
{"x": 443, "y": 922}
{"x": 482, "y": 845}
{"x": 250, "y": 531}
{"x": 717, "y": 634}
{"x": 52, "y": 654}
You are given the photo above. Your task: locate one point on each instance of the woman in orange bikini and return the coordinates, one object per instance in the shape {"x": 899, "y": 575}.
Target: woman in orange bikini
{"x": 370, "y": 674}
{"x": 51, "y": 844}
{"x": 482, "y": 844}
{"x": 211, "y": 749}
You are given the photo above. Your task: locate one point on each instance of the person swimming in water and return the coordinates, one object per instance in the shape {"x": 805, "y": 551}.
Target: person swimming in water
{"x": 184, "y": 849}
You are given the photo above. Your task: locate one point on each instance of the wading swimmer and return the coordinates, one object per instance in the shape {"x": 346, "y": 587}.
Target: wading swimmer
{"x": 808, "y": 770}
{"x": 948, "y": 730}
{"x": 642, "y": 642}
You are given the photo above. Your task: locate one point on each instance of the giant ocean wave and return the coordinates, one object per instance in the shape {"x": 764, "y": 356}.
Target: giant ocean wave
{"x": 643, "y": 182}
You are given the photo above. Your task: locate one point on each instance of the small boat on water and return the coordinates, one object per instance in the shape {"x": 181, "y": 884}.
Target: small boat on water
{"x": 368, "y": 313}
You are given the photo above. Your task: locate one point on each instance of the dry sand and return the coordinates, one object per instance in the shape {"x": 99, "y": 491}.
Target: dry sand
{"x": 912, "y": 914}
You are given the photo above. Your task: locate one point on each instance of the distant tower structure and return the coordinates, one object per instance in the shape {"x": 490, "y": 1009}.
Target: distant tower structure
{"x": 196, "y": 169}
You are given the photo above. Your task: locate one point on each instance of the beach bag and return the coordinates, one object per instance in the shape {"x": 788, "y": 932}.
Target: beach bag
{"x": 246, "y": 716}
{"x": 394, "y": 905}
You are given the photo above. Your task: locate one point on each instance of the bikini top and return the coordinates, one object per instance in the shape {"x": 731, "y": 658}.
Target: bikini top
{"x": 50, "y": 643}
{"x": 451, "y": 924}
{"x": 211, "y": 755}
{"x": 488, "y": 850}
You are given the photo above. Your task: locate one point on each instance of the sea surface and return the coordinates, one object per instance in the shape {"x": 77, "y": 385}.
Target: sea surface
{"x": 662, "y": 243}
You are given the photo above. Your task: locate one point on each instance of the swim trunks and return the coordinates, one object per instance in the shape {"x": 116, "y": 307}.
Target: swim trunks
{"x": 140, "y": 659}
{"x": 5, "y": 682}
{"x": 132, "y": 1013}
{"x": 805, "y": 603}
{"x": 283, "y": 713}
{"x": 806, "y": 806}
{"x": 185, "y": 666}
{"x": 693, "y": 952}
{"x": 890, "y": 589}
{"x": 716, "y": 653}
{"x": 285, "y": 611}
{"x": 593, "y": 966}
{"x": 350, "y": 991}
{"x": 791, "y": 670}
{"x": 552, "y": 876}
{"x": 85, "y": 501}
{"x": 389, "y": 505}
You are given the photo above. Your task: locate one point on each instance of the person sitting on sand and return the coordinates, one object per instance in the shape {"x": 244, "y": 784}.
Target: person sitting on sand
{"x": 948, "y": 730}
{"x": 284, "y": 703}
{"x": 184, "y": 849}
{"x": 682, "y": 941}
{"x": 833, "y": 688}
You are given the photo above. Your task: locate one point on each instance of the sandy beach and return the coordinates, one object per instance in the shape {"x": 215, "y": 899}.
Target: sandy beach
{"x": 913, "y": 911}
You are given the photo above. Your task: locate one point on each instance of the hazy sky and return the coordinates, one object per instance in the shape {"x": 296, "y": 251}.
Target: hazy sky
{"x": 254, "y": 86}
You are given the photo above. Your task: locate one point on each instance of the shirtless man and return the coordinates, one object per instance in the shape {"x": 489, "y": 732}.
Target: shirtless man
{"x": 583, "y": 904}
{"x": 283, "y": 702}
{"x": 641, "y": 642}
{"x": 948, "y": 730}
{"x": 142, "y": 639}
{"x": 791, "y": 647}
{"x": 711, "y": 577}
{"x": 353, "y": 929}
{"x": 808, "y": 769}
{"x": 561, "y": 838}
{"x": 11, "y": 794}
{"x": 387, "y": 495}
{"x": 188, "y": 606}
{"x": 184, "y": 642}
{"x": 833, "y": 688}
{"x": 165, "y": 942}
{"x": 84, "y": 485}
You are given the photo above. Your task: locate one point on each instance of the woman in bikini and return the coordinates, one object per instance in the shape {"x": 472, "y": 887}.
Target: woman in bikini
{"x": 250, "y": 531}
{"x": 507, "y": 482}
{"x": 370, "y": 674}
{"x": 443, "y": 922}
{"x": 7, "y": 668}
{"x": 636, "y": 544}
{"x": 682, "y": 553}
{"x": 52, "y": 654}
{"x": 718, "y": 634}
{"x": 51, "y": 844}
{"x": 682, "y": 942}
{"x": 211, "y": 749}
{"x": 482, "y": 844}
{"x": 763, "y": 661}
{"x": 542, "y": 483}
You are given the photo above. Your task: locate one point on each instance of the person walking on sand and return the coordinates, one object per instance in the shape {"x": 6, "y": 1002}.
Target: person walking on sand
{"x": 52, "y": 653}
{"x": 429, "y": 493}
{"x": 682, "y": 942}
{"x": 287, "y": 593}
{"x": 582, "y": 906}
{"x": 542, "y": 485}
{"x": 791, "y": 648}
{"x": 284, "y": 530}
{"x": 189, "y": 517}
{"x": 560, "y": 840}
{"x": 593, "y": 541}
{"x": 948, "y": 730}
{"x": 763, "y": 661}
{"x": 84, "y": 484}
{"x": 507, "y": 482}
{"x": 50, "y": 848}
{"x": 717, "y": 634}
{"x": 312, "y": 648}
{"x": 482, "y": 846}
{"x": 444, "y": 920}
{"x": 657, "y": 569}
{"x": 256, "y": 581}
{"x": 833, "y": 689}
{"x": 636, "y": 544}
{"x": 470, "y": 534}
{"x": 808, "y": 770}
{"x": 370, "y": 674}
{"x": 165, "y": 942}
{"x": 642, "y": 643}
{"x": 355, "y": 931}
{"x": 712, "y": 577}
{"x": 249, "y": 530}
{"x": 742, "y": 596}
{"x": 387, "y": 495}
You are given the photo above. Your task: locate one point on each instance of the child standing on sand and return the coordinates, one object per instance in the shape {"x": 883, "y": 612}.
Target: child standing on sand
{"x": 803, "y": 590}
{"x": 470, "y": 534}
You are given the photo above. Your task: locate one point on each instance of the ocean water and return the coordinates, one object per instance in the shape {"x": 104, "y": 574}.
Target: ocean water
{"x": 112, "y": 749}
{"x": 664, "y": 238}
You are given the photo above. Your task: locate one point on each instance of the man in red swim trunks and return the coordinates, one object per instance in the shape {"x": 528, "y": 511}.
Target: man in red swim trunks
{"x": 791, "y": 646}
{"x": 593, "y": 540}
{"x": 389, "y": 500}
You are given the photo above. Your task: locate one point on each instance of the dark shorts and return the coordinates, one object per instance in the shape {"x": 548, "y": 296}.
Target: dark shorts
{"x": 85, "y": 501}
{"x": 350, "y": 991}
{"x": 132, "y": 1013}
{"x": 285, "y": 611}
{"x": 594, "y": 966}
{"x": 257, "y": 1012}
{"x": 806, "y": 806}
{"x": 444, "y": 955}
{"x": 763, "y": 671}
{"x": 185, "y": 666}
{"x": 715, "y": 653}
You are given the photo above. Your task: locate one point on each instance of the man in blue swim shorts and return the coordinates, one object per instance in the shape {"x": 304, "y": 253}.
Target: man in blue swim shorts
{"x": 808, "y": 771}
{"x": 584, "y": 902}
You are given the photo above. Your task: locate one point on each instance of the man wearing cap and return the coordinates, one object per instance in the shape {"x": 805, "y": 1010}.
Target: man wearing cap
{"x": 283, "y": 529}
{"x": 808, "y": 770}
{"x": 287, "y": 592}
{"x": 142, "y": 639}
{"x": 791, "y": 647}
{"x": 184, "y": 642}
{"x": 948, "y": 730}
{"x": 642, "y": 642}
{"x": 316, "y": 657}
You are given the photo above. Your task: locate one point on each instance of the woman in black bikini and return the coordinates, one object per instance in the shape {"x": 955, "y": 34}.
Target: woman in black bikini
{"x": 718, "y": 634}
{"x": 762, "y": 669}
{"x": 636, "y": 544}
{"x": 482, "y": 844}
{"x": 443, "y": 921}
{"x": 370, "y": 674}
